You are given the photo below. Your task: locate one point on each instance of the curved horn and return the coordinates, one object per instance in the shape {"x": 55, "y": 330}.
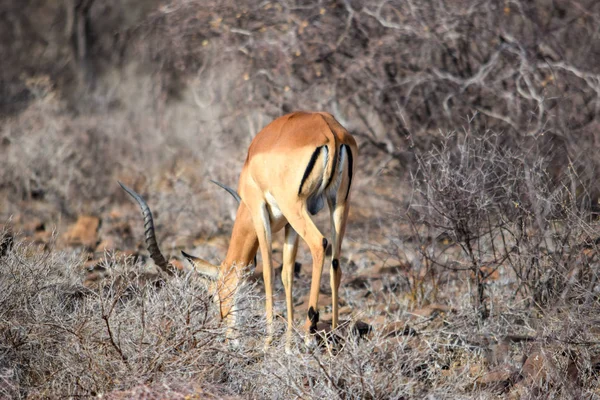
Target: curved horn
{"x": 150, "y": 235}
{"x": 231, "y": 191}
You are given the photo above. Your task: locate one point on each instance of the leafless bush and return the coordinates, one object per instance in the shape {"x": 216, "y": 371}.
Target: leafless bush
{"x": 463, "y": 185}
{"x": 393, "y": 72}
{"x": 214, "y": 73}
{"x": 49, "y": 155}
{"x": 500, "y": 208}
{"x": 73, "y": 162}
{"x": 135, "y": 337}
{"x": 397, "y": 72}
{"x": 60, "y": 337}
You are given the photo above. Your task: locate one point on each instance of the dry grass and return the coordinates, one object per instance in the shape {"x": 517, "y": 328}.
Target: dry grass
{"x": 138, "y": 335}
{"x": 472, "y": 250}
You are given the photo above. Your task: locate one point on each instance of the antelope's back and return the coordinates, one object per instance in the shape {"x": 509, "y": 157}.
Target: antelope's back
{"x": 292, "y": 154}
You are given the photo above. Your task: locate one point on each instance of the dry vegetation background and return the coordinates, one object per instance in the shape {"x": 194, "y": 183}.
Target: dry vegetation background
{"x": 471, "y": 261}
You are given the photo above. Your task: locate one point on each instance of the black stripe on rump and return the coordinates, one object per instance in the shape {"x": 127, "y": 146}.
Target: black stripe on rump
{"x": 310, "y": 166}
{"x": 333, "y": 169}
{"x": 350, "y": 162}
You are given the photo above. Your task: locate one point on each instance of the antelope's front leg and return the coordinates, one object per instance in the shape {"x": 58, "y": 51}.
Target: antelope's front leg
{"x": 227, "y": 290}
{"x": 263, "y": 231}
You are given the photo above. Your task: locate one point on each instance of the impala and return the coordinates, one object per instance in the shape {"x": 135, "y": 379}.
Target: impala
{"x": 293, "y": 166}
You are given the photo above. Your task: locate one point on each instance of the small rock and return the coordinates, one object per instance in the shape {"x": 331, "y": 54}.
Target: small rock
{"x": 499, "y": 379}
{"x": 179, "y": 265}
{"x": 432, "y": 310}
{"x": 365, "y": 281}
{"x": 361, "y": 328}
{"x": 324, "y": 301}
{"x": 345, "y": 310}
{"x": 84, "y": 232}
{"x": 536, "y": 367}
{"x": 398, "y": 328}
{"x": 107, "y": 244}
{"x": 94, "y": 265}
{"x": 6, "y": 242}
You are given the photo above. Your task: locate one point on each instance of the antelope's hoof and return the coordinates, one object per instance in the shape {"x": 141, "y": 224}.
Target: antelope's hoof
{"x": 268, "y": 341}
{"x": 310, "y": 341}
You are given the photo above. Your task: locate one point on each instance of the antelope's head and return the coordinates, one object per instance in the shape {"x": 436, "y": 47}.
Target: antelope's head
{"x": 222, "y": 285}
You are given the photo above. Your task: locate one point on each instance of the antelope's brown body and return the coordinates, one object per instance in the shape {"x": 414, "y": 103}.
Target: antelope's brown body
{"x": 294, "y": 166}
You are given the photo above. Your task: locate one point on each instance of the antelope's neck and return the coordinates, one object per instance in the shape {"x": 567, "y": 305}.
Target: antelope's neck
{"x": 244, "y": 242}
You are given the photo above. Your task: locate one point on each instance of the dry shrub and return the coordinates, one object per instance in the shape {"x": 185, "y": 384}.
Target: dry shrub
{"x": 140, "y": 336}
{"x": 395, "y": 73}
{"x": 73, "y": 161}
{"x": 492, "y": 218}
{"x": 50, "y": 155}
{"x": 61, "y": 338}
{"x": 500, "y": 208}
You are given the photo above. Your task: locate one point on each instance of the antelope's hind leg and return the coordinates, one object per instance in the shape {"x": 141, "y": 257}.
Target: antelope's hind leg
{"x": 338, "y": 202}
{"x": 339, "y": 215}
{"x": 300, "y": 220}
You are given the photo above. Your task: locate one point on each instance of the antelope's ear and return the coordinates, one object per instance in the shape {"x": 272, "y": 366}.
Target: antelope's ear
{"x": 202, "y": 267}
{"x": 229, "y": 190}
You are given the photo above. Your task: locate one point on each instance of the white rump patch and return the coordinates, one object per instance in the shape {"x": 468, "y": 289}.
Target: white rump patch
{"x": 325, "y": 157}
{"x": 335, "y": 185}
